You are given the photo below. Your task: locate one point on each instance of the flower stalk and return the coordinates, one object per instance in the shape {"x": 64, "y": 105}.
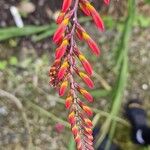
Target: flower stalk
{"x": 65, "y": 67}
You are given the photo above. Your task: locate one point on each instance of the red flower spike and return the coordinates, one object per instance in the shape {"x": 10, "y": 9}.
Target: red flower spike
{"x": 88, "y": 110}
{"x": 107, "y": 2}
{"x": 86, "y": 79}
{"x": 65, "y": 66}
{"x": 86, "y": 94}
{"x": 62, "y": 70}
{"x": 68, "y": 102}
{"x": 61, "y": 49}
{"x": 63, "y": 88}
{"x": 60, "y": 30}
{"x": 66, "y": 5}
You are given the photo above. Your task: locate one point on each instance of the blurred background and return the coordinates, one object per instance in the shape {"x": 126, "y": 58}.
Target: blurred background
{"x": 32, "y": 116}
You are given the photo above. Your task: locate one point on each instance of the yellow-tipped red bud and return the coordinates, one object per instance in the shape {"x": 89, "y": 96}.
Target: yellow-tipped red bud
{"x": 86, "y": 64}
{"x": 96, "y": 17}
{"x": 60, "y": 51}
{"x": 63, "y": 70}
{"x": 63, "y": 88}
{"x": 79, "y": 34}
{"x": 75, "y": 130}
{"x": 93, "y": 46}
{"x": 77, "y": 139}
{"x": 86, "y": 94}
{"x": 88, "y": 130}
{"x": 68, "y": 102}
{"x": 71, "y": 118}
{"x": 85, "y": 36}
{"x": 60, "y": 30}
{"x": 60, "y": 18}
{"x": 85, "y": 9}
{"x": 88, "y": 122}
{"x": 88, "y": 110}
{"x": 86, "y": 79}
{"x": 90, "y": 137}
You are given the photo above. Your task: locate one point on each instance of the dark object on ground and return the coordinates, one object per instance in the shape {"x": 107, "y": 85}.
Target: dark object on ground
{"x": 138, "y": 119}
{"x": 102, "y": 146}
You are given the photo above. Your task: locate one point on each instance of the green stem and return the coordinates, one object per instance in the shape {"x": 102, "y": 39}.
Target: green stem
{"x": 46, "y": 113}
{"x": 122, "y": 64}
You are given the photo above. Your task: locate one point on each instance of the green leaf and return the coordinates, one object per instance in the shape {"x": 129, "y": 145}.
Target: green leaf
{"x": 3, "y": 65}
{"x": 71, "y": 145}
{"x": 13, "y": 60}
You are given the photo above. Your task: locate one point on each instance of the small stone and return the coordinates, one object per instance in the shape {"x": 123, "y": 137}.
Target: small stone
{"x": 144, "y": 86}
{"x": 3, "y": 111}
{"x": 26, "y": 7}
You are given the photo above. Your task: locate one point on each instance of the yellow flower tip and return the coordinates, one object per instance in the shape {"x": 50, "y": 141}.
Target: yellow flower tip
{"x": 65, "y": 42}
{"x": 89, "y": 6}
{"x": 85, "y": 36}
{"x": 66, "y": 21}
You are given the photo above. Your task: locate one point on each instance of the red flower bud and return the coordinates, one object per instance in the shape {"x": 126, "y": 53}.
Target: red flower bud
{"x": 93, "y": 46}
{"x": 60, "y": 18}
{"x": 68, "y": 102}
{"x": 86, "y": 94}
{"x": 72, "y": 118}
{"x": 61, "y": 49}
{"x": 66, "y": 5}
{"x": 63, "y": 88}
{"x": 86, "y": 79}
{"x": 79, "y": 34}
{"x": 88, "y": 110}
{"x": 95, "y": 15}
{"x": 88, "y": 122}
{"x": 75, "y": 130}
{"x": 88, "y": 130}
{"x": 62, "y": 70}
{"x": 60, "y": 30}
{"x": 85, "y": 9}
{"x": 86, "y": 64}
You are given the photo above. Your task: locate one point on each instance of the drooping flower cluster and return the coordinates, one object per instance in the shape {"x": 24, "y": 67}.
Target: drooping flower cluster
{"x": 65, "y": 67}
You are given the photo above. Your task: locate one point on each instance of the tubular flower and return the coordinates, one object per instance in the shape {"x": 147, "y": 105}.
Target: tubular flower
{"x": 96, "y": 17}
{"x": 86, "y": 79}
{"x": 66, "y": 5}
{"x": 68, "y": 102}
{"x": 93, "y": 46}
{"x": 60, "y": 51}
{"x": 63, "y": 88}
{"x": 65, "y": 67}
